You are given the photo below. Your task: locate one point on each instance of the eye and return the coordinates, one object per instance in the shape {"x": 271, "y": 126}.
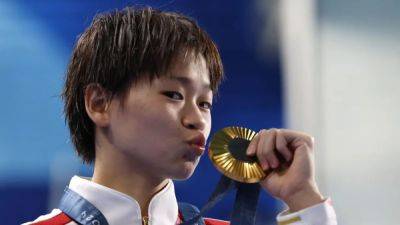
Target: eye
{"x": 173, "y": 95}
{"x": 206, "y": 105}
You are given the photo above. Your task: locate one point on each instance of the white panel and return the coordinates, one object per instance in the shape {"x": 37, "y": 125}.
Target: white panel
{"x": 347, "y": 93}
{"x": 361, "y": 105}
{"x": 300, "y": 74}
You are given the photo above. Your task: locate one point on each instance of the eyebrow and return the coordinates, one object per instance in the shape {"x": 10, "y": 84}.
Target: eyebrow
{"x": 185, "y": 81}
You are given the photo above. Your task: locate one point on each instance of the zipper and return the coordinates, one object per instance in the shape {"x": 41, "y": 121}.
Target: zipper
{"x": 145, "y": 220}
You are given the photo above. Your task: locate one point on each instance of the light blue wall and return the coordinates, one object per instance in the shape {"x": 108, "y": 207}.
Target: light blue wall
{"x": 32, "y": 65}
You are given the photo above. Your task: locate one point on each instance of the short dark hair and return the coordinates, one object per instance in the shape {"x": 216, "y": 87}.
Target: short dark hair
{"x": 122, "y": 47}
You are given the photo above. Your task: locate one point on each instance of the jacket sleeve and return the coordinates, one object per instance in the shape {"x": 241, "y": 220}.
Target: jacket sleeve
{"x": 319, "y": 214}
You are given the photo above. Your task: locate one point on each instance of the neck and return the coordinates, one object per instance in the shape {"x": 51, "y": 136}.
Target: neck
{"x": 115, "y": 170}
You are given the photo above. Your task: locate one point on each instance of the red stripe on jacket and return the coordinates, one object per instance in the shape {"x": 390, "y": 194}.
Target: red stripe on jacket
{"x": 210, "y": 221}
{"x": 60, "y": 219}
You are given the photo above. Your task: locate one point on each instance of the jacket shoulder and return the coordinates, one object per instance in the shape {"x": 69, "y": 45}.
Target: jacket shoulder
{"x": 56, "y": 217}
{"x": 210, "y": 221}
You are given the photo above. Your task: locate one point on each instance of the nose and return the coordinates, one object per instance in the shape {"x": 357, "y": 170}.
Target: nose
{"x": 193, "y": 118}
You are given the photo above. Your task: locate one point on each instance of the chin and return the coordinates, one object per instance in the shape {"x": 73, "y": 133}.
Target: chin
{"x": 186, "y": 171}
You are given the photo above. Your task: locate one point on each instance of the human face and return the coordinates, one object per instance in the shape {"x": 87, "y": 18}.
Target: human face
{"x": 160, "y": 124}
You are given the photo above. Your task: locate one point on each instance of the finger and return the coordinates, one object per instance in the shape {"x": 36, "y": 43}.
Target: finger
{"x": 266, "y": 149}
{"x": 296, "y": 138}
{"x": 282, "y": 146}
{"x": 263, "y": 161}
{"x": 270, "y": 151}
{"x": 251, "y": 149}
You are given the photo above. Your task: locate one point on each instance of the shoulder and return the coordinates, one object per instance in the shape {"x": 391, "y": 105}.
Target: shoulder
{"x": 56, "y": 217}
{"x": 209, "y": 221}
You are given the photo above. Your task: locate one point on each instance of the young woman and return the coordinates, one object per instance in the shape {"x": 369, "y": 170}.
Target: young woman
{"x": 138, "y": 94}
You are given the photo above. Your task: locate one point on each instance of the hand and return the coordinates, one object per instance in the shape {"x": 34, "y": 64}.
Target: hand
{"x": 288, "y": 158}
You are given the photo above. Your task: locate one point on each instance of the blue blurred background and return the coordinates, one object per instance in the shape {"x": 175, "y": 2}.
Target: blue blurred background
{"x": 326, "y": 67}
{"x": 37, "y": 38}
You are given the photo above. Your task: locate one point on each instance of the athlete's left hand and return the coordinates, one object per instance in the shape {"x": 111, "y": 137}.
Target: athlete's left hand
{"x": 293, "y": 177}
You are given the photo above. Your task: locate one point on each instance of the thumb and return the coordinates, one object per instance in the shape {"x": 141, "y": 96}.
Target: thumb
{"x": 252, "y": 148}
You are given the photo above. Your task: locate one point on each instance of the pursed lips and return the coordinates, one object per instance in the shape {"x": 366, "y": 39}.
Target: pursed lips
{"x": 196, "y": 147}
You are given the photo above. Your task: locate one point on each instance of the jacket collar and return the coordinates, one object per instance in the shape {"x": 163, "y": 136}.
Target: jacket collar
{"x": 121, "y": 209}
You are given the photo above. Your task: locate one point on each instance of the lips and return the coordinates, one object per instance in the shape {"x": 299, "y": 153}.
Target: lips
{"x": 198, "y": 140}
{"x": 197, "y": 144}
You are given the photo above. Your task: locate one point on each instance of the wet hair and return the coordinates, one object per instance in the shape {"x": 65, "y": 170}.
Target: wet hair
{"x": 122, "y": 47}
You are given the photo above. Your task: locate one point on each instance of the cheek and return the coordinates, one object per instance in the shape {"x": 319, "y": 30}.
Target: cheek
{"x": 208, "y": 126}
{"x": 162, "y": 120}
{"x": 152, "y": 126}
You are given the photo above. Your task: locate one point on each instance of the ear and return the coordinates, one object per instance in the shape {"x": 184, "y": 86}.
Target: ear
{"x": 97, "y": 102}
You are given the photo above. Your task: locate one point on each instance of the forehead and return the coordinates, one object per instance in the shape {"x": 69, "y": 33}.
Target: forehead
{"x": 189, "y": 70}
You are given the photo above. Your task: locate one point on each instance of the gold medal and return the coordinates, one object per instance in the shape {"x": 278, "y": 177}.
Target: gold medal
{"x": 227, "y": 151}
